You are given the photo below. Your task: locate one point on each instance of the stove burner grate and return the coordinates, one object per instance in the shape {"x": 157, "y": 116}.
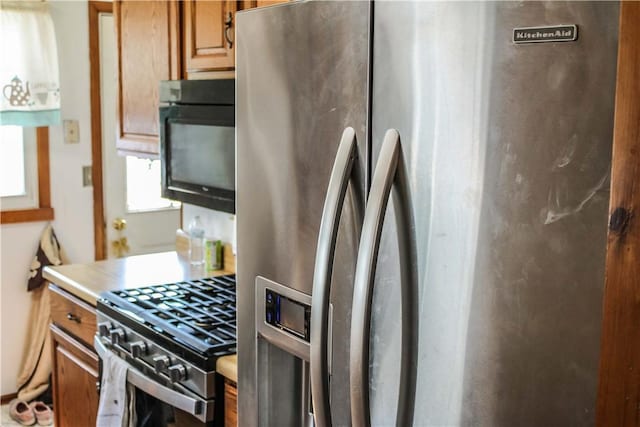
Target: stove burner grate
{"x": 200, "y": 313}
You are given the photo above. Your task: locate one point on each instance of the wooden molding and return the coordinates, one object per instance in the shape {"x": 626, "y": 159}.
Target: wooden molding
{"x": 175, "y": 39}
{"x": 95, "y": 9}
{"x": 619, "y": 381}
{"x": 6, "y": 398}
{"x": 44, "y": 211}
{"x": 247, "y": 4}
{"x": 26, "y": 215}
{"x": 44, "y": 184}
{"x": 142, "y": 146}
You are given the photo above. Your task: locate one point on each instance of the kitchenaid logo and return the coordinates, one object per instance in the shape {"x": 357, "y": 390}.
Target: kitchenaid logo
{"x": 559, "y": 33}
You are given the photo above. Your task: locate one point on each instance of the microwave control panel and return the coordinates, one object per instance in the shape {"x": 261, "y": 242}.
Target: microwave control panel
{"x": 287, "y": 314}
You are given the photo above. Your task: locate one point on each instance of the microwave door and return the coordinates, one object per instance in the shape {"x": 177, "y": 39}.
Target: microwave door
{"x": 198, "y": 155}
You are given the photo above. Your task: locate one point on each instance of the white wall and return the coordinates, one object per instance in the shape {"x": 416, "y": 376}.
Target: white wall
{"x": 217, "y": 225}
{"x": 73, "y": 203}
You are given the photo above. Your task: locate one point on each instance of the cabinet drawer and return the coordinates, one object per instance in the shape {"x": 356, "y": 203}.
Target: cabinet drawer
{"x": 73, "y": 315}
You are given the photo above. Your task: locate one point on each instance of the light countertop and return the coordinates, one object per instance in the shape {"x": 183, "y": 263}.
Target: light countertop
{"x": 88, "y": 281}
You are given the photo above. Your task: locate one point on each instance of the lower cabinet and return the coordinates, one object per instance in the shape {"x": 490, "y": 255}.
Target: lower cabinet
{"x": 75, "y": 381}
{"x": 230, "y": 404}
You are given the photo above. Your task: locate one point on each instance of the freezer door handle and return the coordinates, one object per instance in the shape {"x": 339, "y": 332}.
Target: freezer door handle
{"x": 334, "y": 200}
{"x": 389, "y": 175}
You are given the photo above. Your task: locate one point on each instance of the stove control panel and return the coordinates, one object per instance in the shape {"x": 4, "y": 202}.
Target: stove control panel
{"x": 147, "y": 357}
{"x": 287, "y": 314}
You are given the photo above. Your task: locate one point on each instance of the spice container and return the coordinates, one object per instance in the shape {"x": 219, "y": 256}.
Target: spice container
{"x": 213, "y": 255}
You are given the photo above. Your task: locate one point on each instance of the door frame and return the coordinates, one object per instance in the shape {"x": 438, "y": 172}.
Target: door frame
{"x": 99, "y": 227}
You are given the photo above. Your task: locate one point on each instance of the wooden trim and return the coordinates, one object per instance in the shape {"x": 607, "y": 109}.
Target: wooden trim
{"x": 117, "y": 22}
{"x": 6, "y": 398}
{"x": 247, "y": 4}
{"x": 619, "y": 383}
{"x": 175, "y": 39}
{"x": 44, "y": 184}
{"x": 142, "y": 146}
{"x": 26, "y": 215}
{"x": 212, "y": 75}
{"x": 44, "y": 211}
{"x": 99, "y": 232}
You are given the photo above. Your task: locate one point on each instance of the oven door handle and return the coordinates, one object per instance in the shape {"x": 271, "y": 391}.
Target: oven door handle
{"x": 178, "y": 400}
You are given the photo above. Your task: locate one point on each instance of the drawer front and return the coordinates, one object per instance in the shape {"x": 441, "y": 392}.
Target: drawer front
{"x": 73, "y": 315}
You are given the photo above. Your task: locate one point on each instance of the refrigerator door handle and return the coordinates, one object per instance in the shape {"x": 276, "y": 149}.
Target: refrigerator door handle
{"x": 325, "y": 251}
{"x": 388, "y": 175}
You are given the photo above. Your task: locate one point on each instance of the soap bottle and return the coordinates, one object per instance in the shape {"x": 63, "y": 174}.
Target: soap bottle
{"x": 196, "y": 241}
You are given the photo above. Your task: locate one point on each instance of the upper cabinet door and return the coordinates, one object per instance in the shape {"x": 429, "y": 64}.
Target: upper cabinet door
{"x": 148, "y": 51}
{"x": 209, "y": 32}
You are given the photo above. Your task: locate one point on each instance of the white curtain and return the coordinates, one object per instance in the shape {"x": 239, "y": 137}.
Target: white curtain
{"x": 28, "y": 65}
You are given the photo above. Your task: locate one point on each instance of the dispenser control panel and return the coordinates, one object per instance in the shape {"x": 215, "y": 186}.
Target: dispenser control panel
{"x": 287, "y": 314}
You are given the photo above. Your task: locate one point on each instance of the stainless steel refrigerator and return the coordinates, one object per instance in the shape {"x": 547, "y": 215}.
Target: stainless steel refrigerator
{"x": 422, "y": 196}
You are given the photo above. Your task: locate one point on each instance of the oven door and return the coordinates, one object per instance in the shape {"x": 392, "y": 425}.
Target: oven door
{"x": 167, "y": 405}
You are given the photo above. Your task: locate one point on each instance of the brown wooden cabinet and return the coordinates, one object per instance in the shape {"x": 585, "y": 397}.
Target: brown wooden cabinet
{"x": 168, "y": 40}
{"x": 75, "y": 363}
{"x": 147, "y": 37}
{"x": 208, "y": 36}
{"x": 230, "y": 404}
{"x": 261, "y": 3}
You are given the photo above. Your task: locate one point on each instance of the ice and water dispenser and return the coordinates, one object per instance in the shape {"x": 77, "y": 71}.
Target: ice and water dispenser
{"x": 283, "y": 317}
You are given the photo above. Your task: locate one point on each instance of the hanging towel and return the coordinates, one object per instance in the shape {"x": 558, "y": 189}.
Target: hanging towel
{"x": 114, "y": 407}
{"x": 48, "y": 253}
{"x": 34, "y": 377}
{"x": 35, "y": 370}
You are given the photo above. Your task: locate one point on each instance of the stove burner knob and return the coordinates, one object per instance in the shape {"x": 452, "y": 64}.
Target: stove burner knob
{"x": 117, "y": 336}
{"x": 138, "y": 349}
{"x": 177, "y": 373}
{"x": 160, "y": 363}
{"x": 104, "y": 328}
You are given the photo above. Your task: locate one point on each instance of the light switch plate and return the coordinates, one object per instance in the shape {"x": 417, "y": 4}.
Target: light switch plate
{"x": 71, "y": 131}
{"x": 87, "y": 176}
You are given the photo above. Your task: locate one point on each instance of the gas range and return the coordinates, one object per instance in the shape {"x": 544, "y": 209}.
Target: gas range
{"x": 172, "y": 335}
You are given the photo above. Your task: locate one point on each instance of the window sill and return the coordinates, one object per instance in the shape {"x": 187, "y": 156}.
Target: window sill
{"x": 26, "y": 215}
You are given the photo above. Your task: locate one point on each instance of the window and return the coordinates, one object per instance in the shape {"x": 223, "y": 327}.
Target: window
{"x": 143, "y": 186}
{"x": 24, "y": 174}
{"x": 18, "y": 168}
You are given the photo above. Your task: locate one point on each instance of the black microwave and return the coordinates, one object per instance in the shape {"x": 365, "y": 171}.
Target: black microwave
{"x": 197, "y": 142}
